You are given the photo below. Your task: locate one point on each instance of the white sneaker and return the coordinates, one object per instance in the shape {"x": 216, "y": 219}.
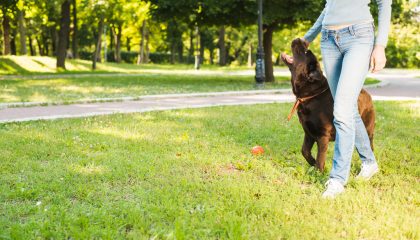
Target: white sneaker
{"x": 368, "y": 170}
{"x": 334, "y": 188}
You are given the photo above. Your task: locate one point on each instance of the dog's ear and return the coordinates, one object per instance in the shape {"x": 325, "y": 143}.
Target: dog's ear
{"x": 315, "y": 75}
{"x": 310, "y": 58}
{"x": 314, "y": 71}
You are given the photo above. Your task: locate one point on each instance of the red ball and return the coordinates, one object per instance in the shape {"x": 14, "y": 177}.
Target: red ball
{"x": 257, "y": 150}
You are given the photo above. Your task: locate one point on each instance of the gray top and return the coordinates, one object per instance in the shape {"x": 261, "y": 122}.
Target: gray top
{"x": 343, "y": 12}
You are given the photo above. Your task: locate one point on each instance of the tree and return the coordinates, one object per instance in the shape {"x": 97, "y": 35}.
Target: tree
{"x": 63, "y": 34}
{"x": 136, "y": 15}
{"x": 7, "y": 7}
{"x": 22, "y": 27}
{"x": 280, "y": 14}
{"x": 75, "y": 45}
{"x": 179, "y": 16}
{"x": 234, "y": 13}
{"x": 116, "y": 18}
{"x": 99, "y": 7}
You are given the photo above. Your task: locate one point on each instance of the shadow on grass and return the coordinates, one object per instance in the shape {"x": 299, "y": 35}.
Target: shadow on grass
{"x": 8, "y": 66}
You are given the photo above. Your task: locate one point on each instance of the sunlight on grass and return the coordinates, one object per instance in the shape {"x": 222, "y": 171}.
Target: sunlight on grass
{"x": 43, "y": 64}
{"x": 90, "y": 169}
{"x": 413, "y": 107}
{"x": 82, "y": 88}
{"x": 189, "y": 173}
{"x": 35, "y": 64}
{"x": 122, "y": 134}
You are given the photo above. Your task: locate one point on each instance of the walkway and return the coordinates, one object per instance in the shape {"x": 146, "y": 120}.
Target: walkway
{"x": 397, "y": 86}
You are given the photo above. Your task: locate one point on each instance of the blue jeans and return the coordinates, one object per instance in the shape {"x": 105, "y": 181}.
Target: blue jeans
{"x": 346, "y": 56}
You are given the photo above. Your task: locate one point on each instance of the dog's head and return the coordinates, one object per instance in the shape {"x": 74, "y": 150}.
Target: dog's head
{"x": 306, "y": 71}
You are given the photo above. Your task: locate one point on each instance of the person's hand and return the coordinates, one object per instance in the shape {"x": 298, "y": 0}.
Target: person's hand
{"x": 377, "y": 59}
{"x": 305, "y": 41}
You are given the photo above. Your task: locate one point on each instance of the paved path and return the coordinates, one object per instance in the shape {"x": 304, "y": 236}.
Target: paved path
{"x": 142, "y": 105}
{"x": 398, "y": 86}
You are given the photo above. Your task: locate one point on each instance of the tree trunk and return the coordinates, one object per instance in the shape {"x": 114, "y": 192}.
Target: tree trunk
{"x": 54, "y": 41}
{"x": 180, "y": 50}
{"x": 191, "y": 49}
{"x": 201, "y": 50}
{"x": 197, "y": 55}
{"x": 22, "y": 32}
{"x": 211, "y": 56}
{"x": 63, "y": 34}
{"x": 222, "y": 47}
{"x": 1, "y": 42}
{"x": 31, "y": 46}
{"x": 97, "y": 53}
{"x": 128, "y": 44}
{"x": 75, "y": 44}
{"x": 250, "y": 55}
{"x": 228, "y": 46}
{"x": 45, "y": 46}
{"x": 13, "y": 43}
{"x": 146, "y": 57}
{"x": 173, "y": 48}
{"x": 268, "y": 45}
{"x": 141, "y": 56}
{"x": 6, "y": 33}
{"x": 117, "y": 52}
{"x": 112, "y": 37}
{"x": 39, "y": 43}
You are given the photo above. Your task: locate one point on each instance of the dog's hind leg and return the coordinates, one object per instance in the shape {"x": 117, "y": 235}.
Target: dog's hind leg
{"x": 308, "y": 143}
{"x": 322, "y": 152}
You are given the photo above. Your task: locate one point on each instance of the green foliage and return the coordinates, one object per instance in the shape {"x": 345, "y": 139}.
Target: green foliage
{"x": 188, "y": 174}
{"x": 403, "y": 50}
{"x": 286, "y": 13}
{"x": 169, "y": 24}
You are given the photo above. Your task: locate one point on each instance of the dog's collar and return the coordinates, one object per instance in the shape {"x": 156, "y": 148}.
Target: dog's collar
{"x": 301, "y": 100}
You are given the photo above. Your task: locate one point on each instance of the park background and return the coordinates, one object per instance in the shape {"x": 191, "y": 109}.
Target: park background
{"x": 166, "y": 31}
{"x": 187, "y": 173}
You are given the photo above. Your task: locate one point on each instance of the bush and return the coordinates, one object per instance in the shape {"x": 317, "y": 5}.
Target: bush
{"x": 85, "y": 55}
{"x": 131, "y": 57}
{"x": 403, "y": 47}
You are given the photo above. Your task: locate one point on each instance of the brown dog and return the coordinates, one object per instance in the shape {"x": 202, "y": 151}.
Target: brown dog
{"x": 315, "y": 103}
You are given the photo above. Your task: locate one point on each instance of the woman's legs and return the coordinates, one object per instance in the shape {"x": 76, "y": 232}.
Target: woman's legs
{"x": 346, "y": 64}
{"x": 347, "y": 119}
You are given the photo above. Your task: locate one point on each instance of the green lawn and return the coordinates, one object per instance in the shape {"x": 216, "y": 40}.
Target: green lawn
{"x": 188, "y": 174}
{"x": 25, "y": 65}
{"x": 85, "y": 88}
{"x": 70, "y": 89}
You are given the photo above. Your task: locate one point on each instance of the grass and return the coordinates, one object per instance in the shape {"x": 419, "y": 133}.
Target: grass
{"x": 25, "y": 65}
{"x": 85, "y": 88}
{"x": 188, "y": 174}
{"x": 70, "y": 89}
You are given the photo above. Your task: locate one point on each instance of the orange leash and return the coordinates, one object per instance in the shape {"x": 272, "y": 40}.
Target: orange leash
{"x": 301, "y": 100}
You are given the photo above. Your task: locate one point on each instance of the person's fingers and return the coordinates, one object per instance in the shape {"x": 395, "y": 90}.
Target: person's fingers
{"x": 379, "y": 64}
{"x": 306, "y": 42}
{"x": 372, "y": 63}
{"x": 379, "y": 67}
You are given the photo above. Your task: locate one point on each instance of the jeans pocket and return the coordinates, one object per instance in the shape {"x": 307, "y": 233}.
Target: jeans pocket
{"x": 365, "y": 32}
